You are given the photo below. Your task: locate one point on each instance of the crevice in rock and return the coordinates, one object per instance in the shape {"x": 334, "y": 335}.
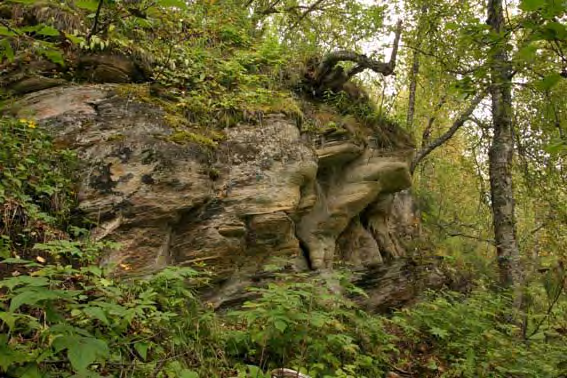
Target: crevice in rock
{"x": 305, "y": 251}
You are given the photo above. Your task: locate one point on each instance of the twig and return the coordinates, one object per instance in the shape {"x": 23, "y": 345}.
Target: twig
{"x": 463, "y": 235}
{"x": 95, "y": 24}
{"x": 303, "y": 15}
{"x": 549, "y": 308}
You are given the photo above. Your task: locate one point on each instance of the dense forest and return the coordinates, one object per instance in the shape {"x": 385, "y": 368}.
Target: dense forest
{"x": 466, "y": 99}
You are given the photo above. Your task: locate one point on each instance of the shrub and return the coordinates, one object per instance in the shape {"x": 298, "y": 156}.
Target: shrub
{"x": 300, "y": 322}
{"x": 452, "y": 335}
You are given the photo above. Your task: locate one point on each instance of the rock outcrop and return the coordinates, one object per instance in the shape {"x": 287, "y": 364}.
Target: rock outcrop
{"x": 268, "y": 194}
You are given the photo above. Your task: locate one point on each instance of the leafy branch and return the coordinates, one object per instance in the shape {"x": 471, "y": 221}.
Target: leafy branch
{"x": 457, "y": 124}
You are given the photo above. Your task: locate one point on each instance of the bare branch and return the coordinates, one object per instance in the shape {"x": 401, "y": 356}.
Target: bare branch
{"x": 397, "y": 37}
{"x": 467, "y": 236}
{"x": 304, "y": 14}
{"x": 427, "y": 132}
{"x": 362, "y": 61}
{"x": 95, "y": 23}
{"x": 461, "y": 119}
{"x": 453, "y": 233}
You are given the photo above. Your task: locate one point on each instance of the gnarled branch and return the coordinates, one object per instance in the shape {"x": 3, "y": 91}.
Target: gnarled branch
{"x": 363, "y": 62}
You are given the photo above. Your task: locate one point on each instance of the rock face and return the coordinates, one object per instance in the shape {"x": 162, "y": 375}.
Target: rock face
{"x": 268, "y": 194}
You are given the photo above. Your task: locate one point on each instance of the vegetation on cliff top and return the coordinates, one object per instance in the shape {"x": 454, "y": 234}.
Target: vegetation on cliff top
{"x": 221, "y": 62}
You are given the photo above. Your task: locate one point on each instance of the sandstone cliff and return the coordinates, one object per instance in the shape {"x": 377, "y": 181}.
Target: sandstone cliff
{"x": 270, "y": 191}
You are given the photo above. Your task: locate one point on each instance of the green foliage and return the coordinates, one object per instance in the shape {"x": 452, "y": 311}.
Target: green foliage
{"x": 300, "y": 322}
{"x": 453, "y": 335}
{"x": 215, "y": 65}
{"x": 62, "y": 321}
{"x": 63, "y": 315}
{"x": 36, "y": 186}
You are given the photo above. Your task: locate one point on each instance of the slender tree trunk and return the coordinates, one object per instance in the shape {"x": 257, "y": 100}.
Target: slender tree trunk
{"x": 501, "y": 153}
{"x": 412, "y": 89}
{"x": 414, "y": 73}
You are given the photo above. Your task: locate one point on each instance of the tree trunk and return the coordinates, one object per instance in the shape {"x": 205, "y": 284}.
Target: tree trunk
{"x": 412, "y": 90}
{"x": 501, "y": 153}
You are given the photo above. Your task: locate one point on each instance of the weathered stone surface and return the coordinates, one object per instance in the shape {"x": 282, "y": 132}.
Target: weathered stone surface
{"x": 135, "y": 184}
{"x": 358, "y": 246}
{"x": 345, "y": 192}
{"x": 338, "y": 153}
{"x": 263, "y": 169}
{"x": 393, "y": 285}
{"x": 34, "y": 83}
{"x": 275, "y": 198}
{"x": 24, "y": 76}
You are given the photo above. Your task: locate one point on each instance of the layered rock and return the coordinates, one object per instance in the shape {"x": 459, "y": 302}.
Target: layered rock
{"x": 269, "y": 194}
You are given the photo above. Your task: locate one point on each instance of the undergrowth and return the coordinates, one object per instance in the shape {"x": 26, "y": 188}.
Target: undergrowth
{"x": 453, "y": 335}
{"x": 63, "y": 315}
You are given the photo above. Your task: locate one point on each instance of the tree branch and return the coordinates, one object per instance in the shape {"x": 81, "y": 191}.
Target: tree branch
{"x": 427, "y": 131}
{"x": 362, "y": 61}
{"x": 461, "y": 119}
{"x": 303, "y": 15}
{"x": 397, "y": 37}
{"x": 467, "y": 236}
{"x": 452, "y": 233}
{"x": 95, "y": 23}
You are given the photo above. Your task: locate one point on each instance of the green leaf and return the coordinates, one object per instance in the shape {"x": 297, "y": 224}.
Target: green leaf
{"x": 254, "y": 371}
{"x": 82, "y": 351}
{"x": 10, "y": 356}
{"x": 188, "y": 374}
{"x": 74, "y": 39}
{"x": 6, "y": 32}
{"x": 33, "y": 295}
{"x": 96, "y": 313}
{"x": 531, "y": 5}
{"x": 528, "y": 53}
{"x": 12, "y": 282}
{"x": 14, "y": 260}
{"x": 87, "y": 351}
{"x": 317, "y": 321}
{"x": 48, "y": 31}
{"x": 548, "y": 82}
{"x": 9, "y": 319}
{"x": 7, "y": 50}
{"x": 54, "y": 55}
{"x": 29, "y": 371}
{"x": 280, "y": 325}
{"x": 555, "y": 30}
{"x": 439, "y": 332}
{"x": 90, "y": 5}
{"x": 142, "y": 349}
